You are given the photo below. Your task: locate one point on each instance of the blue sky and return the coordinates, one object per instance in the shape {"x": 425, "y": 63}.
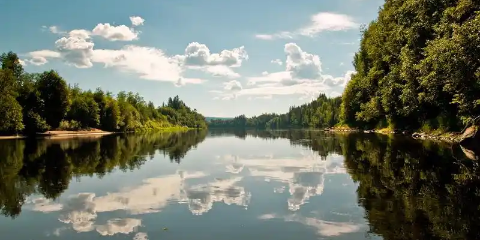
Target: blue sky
{"x": 222, "y": 57}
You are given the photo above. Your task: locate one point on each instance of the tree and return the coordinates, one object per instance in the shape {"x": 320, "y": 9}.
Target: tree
{"x": 11, "y": 62}
{"x": 54, "y": 93}
{"x": 10, "y": 109}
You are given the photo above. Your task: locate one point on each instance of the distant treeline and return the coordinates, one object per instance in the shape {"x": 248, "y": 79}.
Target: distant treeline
{"x": 418, "y": 67}
{"x": 320, "y": 113}
{"x": 37, "y": 102}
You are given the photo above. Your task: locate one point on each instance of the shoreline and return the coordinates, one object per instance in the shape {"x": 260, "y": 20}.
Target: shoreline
{"x": 451, "y": 137}
{"x": 86, "y": 133}
{"x": 59, "y": 134}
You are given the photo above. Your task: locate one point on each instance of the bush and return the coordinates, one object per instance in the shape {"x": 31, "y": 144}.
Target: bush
{"x": 71, "y": 125}
{"x": 35, "y": 123}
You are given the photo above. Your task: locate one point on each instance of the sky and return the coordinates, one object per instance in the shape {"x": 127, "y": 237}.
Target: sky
{"x": 221, "y": 57}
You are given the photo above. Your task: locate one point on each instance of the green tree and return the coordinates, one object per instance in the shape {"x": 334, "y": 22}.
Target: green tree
{"x": 54, "y": 93}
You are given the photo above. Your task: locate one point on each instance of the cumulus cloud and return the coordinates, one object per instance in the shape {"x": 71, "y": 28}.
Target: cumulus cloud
{"x": 75, "y": 51}
{"x": 137, "y": 21}
{"x": 198, "y": 56}
{"x": 302, "y": 76}
{"x": 115, "y": 33}
{"x": 77, "y": 48}
{"x": 300, "y": 64}
{"x": 80, "y": 33}
{"x": 324, "y": 21}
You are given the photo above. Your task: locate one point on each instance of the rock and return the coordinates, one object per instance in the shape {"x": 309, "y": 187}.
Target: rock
{"x": 470, "y": 136}
{"x": 469, "y": 153}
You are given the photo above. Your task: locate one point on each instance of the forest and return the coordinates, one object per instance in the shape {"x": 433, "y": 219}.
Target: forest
{"x": 323, "y": 112}
{"x": 37, "y": 102}
{"x": 417, "y": 68}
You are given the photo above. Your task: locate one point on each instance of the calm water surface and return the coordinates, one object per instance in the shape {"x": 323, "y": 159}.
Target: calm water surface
{"x": 237, "y": 186}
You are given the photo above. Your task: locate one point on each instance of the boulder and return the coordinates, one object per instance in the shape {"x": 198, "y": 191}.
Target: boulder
{"x": 469, "y": 153}
{"x": 471, "y": 136}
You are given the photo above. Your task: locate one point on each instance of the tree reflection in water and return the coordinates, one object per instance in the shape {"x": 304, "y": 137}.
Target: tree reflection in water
{"x": 410, "y": 189}
{"x": 47, "y": 166}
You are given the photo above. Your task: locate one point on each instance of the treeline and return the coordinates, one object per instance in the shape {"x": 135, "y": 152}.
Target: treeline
{"x": 47, "y": 167}
{"x": 320, "y": 113}
{"x": 418, "y": 66}
{"x": 37, "y": 102}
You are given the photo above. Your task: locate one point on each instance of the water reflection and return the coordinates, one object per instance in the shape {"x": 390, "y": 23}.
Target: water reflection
{"x": 46, "y": 167}
{"x": 304, "y": 176}
{"x": 242, "y": 184}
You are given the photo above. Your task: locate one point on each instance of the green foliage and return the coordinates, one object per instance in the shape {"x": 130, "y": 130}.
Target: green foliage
{"x": 417, "y": 63}
{"x": 55, "y": 96}
{"x": 321, "y": 113}
{"x": 39, "y": 102}
{"x": 10, "y": 109}
{"x": 11, "y": 115}
{"x": 70, "y": 125}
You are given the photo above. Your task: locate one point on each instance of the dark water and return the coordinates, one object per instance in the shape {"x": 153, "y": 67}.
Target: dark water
{"x": 237, "y": 186}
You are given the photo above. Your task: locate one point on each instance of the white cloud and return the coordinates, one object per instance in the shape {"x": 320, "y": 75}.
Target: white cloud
{"x": 319, "y": 22}
{"x": 75, "y": 51}
{"x": 149, "y": 63}
{"x": 80, "y": 33}
{"x": 302, "y": 76}
{"x": 323, "y": 228}
{"x": 137, "y": 21}
{"x": 41, "y": 57}
{"x": 277, "y": 61}
{"x": 116, "y": 226}
{"x": 183, "y": 81}
{"x": 201, "y": 198}
{"x": 115, "y": 33}
{"x": 54, "y": 29}
{"x": 230, "y": 90}
{"x": 197, "y": 54}
{"x": 151, "y": 196}
{"x": 300, "y": 64}
{"x": 76, "y": 48}
{"x": 304, "y": 175}
{"x": 220, "y": 71}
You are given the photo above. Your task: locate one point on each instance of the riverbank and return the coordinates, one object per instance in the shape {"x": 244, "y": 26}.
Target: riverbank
{"x": 57, "y": 134}
{"x": 452, "y": 137}
{"x": 62, "y": 134}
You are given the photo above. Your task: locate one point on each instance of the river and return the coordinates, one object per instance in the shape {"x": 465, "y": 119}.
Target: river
{"x": 237, "y": 185}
